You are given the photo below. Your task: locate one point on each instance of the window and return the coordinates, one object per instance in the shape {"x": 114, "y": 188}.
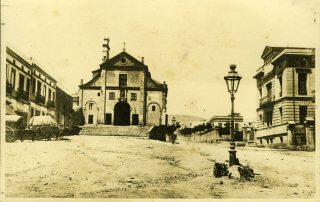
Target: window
{"x": 21, "y": 82}
{"x": 261, "y": 120}
{"x": 90, "y": 105}
{"x": 220, "y": 125}
{"x": 124, "y": 60}
{"x": 53, "y": 96}
{"x": 122, "y": 80}
{"x": 281, "y": 139}
{"x": 49, "y": 94}
{"x": 112, "y": 96}
{"x": 280, "y": 82}
{"x": 269, "y": 87}
{"x": 302, "y": 84}
{"x": 37, "y": 113}
{"x": 153, "y": 108}
{"x": 44, "y": 90}
{"x": 98, "y": 94}
{"x": 39, "y": 88}
{"x": 280, "y": 112}
{"x": 14, "y": 61}
{"x": 33, "y": 86}
{"x": 269, "y": 118}
{"x": 303, "y": 113}
{"x": 133, "y": 96}
{"x": 13, "y": 78}
{"x": 43, "y": 113}
{"x": 28, "y": 85}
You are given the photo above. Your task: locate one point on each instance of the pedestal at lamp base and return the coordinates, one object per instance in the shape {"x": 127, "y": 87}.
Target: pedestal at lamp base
{"x": 233, "y": 157}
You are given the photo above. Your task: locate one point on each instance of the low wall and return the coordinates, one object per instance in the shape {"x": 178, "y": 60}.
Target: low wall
{"x": 209, "y": 137}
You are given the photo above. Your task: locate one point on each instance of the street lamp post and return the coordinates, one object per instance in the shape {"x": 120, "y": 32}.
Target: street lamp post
{"x": 232, "y": 80}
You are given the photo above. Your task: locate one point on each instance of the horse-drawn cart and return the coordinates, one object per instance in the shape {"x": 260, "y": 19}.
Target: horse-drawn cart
{"x": 45, "y": 127}
{"x": 14, "y": 125}
{"x": 40, "y": 127}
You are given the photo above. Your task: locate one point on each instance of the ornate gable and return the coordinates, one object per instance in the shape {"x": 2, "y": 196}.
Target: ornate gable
{"x": 123, "y": 59}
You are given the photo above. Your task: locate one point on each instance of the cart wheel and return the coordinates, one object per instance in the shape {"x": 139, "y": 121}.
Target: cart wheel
{"x": 43, "y": 132}
{"x": 10, "y": 134}
{"x": 37, "y": 135}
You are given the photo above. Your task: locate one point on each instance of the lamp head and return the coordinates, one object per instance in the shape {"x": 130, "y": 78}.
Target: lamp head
{"x": 232, "y": 79}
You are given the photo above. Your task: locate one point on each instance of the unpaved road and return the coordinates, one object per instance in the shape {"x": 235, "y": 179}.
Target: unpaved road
{"x": 127, "y": 167}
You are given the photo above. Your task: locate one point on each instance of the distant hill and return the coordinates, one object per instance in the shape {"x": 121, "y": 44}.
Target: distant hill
{"x": 183, "y": 119}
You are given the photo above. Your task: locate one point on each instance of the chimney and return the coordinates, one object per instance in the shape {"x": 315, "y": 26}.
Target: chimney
{"x": 81, "y": 82}
{"x": 142, "y": 60}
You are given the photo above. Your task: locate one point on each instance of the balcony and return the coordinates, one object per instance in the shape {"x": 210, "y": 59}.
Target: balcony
{"x": 40, "y": 99}
{"x": 22, "y": 95}
{"x": 266, "y": 100}
{"x": 50, "y": 104}
{"x": 9, "y": 89}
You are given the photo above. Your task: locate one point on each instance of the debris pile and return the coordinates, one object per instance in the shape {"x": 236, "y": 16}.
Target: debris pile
{"x": 238, "y": 171}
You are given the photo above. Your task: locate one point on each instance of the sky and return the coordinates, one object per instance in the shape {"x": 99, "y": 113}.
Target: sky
{"x": 189, "y": 44}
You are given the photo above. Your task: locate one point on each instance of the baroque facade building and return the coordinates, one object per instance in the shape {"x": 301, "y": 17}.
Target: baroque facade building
{"x": 286, "y": 105}
{"x": 122, "y": 92}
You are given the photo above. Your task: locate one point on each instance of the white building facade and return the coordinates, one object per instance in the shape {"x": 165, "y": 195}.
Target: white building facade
{"x": 286, "y": 104}
{"x": 122, "y": 92}
{"x": 30, "y": 91}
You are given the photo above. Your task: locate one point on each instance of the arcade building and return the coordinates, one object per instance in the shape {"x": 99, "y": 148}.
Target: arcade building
{"x": 122, "y": 92}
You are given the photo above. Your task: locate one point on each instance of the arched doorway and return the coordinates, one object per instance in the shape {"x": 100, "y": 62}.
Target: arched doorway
{"x": 122, "y": 114}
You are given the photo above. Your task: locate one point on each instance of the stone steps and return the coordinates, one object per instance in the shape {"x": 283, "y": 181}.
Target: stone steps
{"x": 107, "y": 130}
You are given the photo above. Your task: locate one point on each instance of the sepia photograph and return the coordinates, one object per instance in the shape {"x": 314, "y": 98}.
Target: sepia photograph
{"x": 159, "y": 100}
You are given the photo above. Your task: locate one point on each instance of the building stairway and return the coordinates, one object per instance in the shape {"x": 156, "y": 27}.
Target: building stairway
{"x": 110, "y": 130}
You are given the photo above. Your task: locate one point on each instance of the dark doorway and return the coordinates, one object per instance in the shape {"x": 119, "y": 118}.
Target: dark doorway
{"x": 107, "y": 120}
{"x": 122, "y": 114}
{"x": 135, "y": 119}
{"x": 90, "y": 119}
{"x": 303, "y": 113}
